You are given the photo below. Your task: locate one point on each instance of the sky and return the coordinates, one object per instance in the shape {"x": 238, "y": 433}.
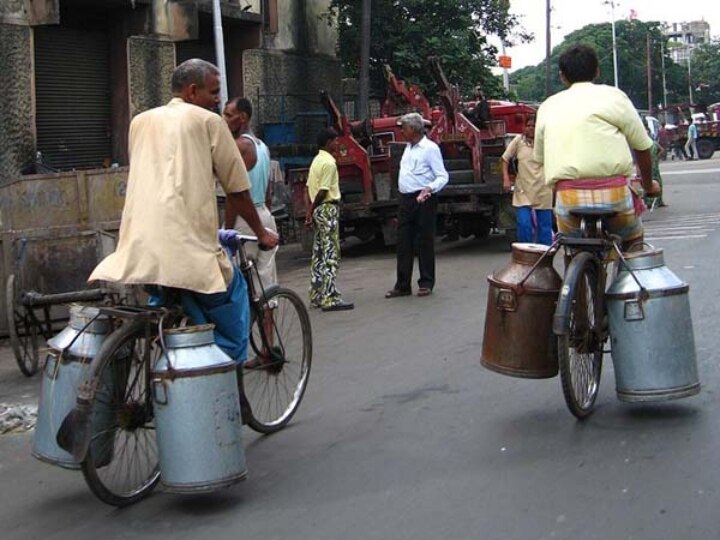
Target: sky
{"x": 570, "y": 15}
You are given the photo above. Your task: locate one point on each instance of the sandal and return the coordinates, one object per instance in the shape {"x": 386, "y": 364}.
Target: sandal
{"x": 424, "y": 291}
{"x": 394, "y": 293}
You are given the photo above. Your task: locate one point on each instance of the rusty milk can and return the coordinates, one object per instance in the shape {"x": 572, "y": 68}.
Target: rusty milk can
{"x": 518, "y": 339}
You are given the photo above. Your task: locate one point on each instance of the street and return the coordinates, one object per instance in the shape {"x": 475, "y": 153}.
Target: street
{"x": 403, "y": 435}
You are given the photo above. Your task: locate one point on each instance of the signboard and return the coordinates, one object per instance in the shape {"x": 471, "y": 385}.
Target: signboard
{"x": 505, "y": 61}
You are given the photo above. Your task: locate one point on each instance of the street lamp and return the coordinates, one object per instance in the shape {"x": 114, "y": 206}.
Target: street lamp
{"x": 611, "y": 3}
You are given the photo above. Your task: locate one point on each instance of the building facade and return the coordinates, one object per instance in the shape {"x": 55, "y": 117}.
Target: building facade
{"x": 75, "y": 72}
{"x": 684, "y": 37}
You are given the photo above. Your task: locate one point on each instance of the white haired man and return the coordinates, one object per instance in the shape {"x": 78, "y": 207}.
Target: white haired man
{"x": 422, "y": 175}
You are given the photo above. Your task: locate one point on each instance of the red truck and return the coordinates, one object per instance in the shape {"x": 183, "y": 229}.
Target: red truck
{"x": 674, "y": 117}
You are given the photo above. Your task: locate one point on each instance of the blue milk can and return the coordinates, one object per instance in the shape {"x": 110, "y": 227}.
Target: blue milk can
{"x": 65, "y": 368}
{"x": 653, "y": 348}
{"x": 197, "y": 413}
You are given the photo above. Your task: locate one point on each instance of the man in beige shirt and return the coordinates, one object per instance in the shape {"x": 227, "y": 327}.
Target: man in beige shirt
{"x": 168, "y": 233}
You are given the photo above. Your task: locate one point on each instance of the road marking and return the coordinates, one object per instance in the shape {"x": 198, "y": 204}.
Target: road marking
{"x": 682, "y": 228}
{"x": 683, "y": 237}
{"x": 690, "y": 171}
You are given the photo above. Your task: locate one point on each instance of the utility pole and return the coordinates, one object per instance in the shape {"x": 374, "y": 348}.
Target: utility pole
{"x": 547, "y": 49}
{"x": 506, "y": 77}
{"x": 649, "y": 74}
{"x": 690, "y": 78}
{"x": 220, "y": 53}
{"x": 662, "y": 58}
{"x": 364, "y": 98}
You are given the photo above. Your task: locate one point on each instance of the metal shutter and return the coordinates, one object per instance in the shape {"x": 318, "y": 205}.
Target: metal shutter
{"x": 72, "y": 91}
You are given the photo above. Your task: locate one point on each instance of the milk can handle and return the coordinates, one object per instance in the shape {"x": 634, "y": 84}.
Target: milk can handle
{"x": 643, "y": 290}
{"x": 66, "y": 348}
{"x": 552, "y": 249}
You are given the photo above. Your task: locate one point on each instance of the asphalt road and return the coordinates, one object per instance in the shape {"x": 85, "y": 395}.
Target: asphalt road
{"x": 403, "y": 435}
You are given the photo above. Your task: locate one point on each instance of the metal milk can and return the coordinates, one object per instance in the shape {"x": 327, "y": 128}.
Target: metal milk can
{"x": 65, "y": 369}
{"x": 518, "y": 339}
{"x": 197, "y": 413}
{"x": 653, "y": 348}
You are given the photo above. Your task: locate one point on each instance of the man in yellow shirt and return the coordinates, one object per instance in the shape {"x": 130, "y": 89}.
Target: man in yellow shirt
{"x": 323, "y": 185}
{"x": 583, "y": 137}
{"x": 168, "y": 233}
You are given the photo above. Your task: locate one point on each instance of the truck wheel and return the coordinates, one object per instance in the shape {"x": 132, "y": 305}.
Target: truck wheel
{"x": 705, "y": 148}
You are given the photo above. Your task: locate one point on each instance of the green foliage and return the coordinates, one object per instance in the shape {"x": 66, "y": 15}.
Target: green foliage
{"x": 705, "y": 72}
{"x": 632, "y": 38}
{"x": 404, "y": 33}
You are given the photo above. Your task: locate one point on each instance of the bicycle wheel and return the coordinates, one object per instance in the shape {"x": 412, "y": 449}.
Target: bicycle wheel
{"x": 275, "y": 386}
{"x": 580, "y": 349}
{"x": 122, "y": 462}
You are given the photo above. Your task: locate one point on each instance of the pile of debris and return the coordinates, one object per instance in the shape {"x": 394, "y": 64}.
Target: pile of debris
{"x": 17, "y": 418}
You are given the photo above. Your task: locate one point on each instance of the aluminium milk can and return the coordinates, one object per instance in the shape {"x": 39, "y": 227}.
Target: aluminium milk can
{"x": 197, "y": 413}
{"x": 653, "y": 347}
{"x": 65, "y": 369}
{"x": 518, "y": 339}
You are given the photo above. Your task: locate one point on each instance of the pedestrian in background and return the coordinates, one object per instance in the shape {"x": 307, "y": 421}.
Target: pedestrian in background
{"x": 531, "y": 195}
{"x": 691, "y": 144}
{"x": 422, "y": 175}
{"x": 256, "y": 155}
{"x": 323, "y": 214}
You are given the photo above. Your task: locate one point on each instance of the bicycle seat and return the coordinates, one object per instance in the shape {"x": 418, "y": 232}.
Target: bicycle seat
{"x": 593, "y": 213}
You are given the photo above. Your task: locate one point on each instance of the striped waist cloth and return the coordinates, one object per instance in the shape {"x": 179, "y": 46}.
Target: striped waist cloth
{"x": 591, "y": 183}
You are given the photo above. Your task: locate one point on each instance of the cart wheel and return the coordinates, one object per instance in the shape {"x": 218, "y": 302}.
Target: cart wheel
{"x": 22, "y": 330}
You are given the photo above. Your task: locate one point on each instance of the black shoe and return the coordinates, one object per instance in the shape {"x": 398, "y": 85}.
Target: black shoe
{"x": 342, "y": 305}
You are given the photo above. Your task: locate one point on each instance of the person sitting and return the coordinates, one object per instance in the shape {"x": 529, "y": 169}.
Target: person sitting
{"x": 583, "y": 137}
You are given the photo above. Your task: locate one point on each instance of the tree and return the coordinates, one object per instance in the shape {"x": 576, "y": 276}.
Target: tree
{"x": 405, "y": 33}
{"x": 705, "y": 72}
{"x": 631, "y": 37}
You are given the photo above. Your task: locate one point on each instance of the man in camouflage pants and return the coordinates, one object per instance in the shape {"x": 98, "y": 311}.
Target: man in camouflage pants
{"x": 324, "y": 215}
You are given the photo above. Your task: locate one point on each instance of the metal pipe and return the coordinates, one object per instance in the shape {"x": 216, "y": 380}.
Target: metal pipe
{"x": 649, "y": 73}
{"x": 220, "y": 52}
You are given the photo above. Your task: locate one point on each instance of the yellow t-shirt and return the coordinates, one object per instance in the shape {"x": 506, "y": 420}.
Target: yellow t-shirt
{"x": 323, "y": 174}
{"x": 168, "y": 232}
{"x": 587, "y": 131}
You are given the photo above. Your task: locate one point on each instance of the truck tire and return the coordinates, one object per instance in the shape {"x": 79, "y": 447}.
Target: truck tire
{"x": 705, "y": 148}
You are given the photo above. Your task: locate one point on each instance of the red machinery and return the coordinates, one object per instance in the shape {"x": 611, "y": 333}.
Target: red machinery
{"x": 368, "y": 160}
{"x": 403, "y": 98}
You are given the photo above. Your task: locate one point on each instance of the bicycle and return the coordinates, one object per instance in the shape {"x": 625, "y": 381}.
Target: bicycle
{"x": 114, "y": 435}
{"x": 580, "y": 320}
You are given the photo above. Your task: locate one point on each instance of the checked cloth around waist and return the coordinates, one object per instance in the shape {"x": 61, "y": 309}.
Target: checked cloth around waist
{"x": 611, "y": 193}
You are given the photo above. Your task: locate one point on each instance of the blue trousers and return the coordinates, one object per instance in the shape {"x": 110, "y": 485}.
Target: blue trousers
{"x": 229, "y": 311}
{"x": 540, "y": 231}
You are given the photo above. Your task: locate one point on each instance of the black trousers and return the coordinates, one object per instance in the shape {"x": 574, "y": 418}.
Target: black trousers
{"x": 416, "y": 229}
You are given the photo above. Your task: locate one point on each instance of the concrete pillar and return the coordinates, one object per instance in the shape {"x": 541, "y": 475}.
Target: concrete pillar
{"x": 17, "y": 136}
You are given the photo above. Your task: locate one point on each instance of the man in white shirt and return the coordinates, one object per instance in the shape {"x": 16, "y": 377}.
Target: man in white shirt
{"x": 422, "y": 175}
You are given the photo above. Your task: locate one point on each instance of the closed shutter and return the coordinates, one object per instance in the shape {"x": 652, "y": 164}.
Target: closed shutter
{"x": 72, "y": 91}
